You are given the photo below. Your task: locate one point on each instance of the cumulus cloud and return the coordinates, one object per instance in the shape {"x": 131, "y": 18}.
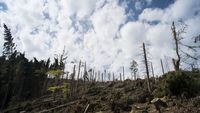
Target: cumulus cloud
{"x": 97, "y": 31}
{"x": 150, "y": 14}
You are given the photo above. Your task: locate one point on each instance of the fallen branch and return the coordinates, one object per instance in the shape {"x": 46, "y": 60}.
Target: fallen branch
{"x": 86, "y": 108}
{"x": 57, "y": 107}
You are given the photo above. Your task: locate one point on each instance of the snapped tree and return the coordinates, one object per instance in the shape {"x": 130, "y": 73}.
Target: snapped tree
{"x": 180, "y": 47}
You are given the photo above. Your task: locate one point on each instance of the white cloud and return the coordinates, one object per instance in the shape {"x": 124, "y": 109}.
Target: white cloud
{"x": 150, "y": 14}
{"x": 181, "y": 9}
{"x": 95, "y": 30}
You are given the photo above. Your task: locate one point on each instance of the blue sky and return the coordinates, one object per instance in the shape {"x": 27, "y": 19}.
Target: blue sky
{"x": 108, "y": 34}
{"x": 137, "y": 6}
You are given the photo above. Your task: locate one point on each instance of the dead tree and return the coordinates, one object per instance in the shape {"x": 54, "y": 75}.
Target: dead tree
{"x": 120, "y": 75}
{"x": 102, "y": 77}
{"x": 163, "y": 71}
{"x": 79, "y": 67}
{"x": 95, "y": 77}
{"x": 81, "y": 75}
{"x": 113, "y": 76}
{"x": 123, "y": 73}
{"x": 105, "y": 74}
{"x": 134, "y": 69}
{"x": 85, "y": 75}
{"x": 147, "y": 69}
{"x": 182, "y": 56}
{"x": 90, "y": 74}
{"x": 152, "y": 70}
{"x": 99, "y": 76}
{"x": 176, "y": 62}
{"x": 72, "y": 83}
{"x": 109, "y": 76}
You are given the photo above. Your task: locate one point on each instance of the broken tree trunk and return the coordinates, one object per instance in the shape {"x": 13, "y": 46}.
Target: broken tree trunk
{"x": 123, "y": 73}
{"x": 86, "y": 108}
{"x": 99, "y": 76}
{"x": 58, "y": 107}
{"x": 113, "y": 76}
{"x": 105, "y": 74}
{"x": 152, "y": 72}
{"x": 79, "y": 67}
{"x": 102, "y": 77}
{"x": 152, "y": 69}
{"x": 147, "y": 69}
{"x": 72, "y": 85}
{"x": 176, "y": 63}
{"x": 162, "y": 66}
{"x": 95, "y": 77}
{"x": 77, "y": 84}
{"x": 109, "y": 76}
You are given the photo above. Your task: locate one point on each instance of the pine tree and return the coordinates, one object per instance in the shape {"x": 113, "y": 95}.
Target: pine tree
{"x": 8, "y": 47}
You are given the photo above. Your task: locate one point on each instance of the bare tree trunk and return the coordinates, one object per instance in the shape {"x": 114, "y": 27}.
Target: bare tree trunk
{"x": 147, "y": 69}
{"x": 79, "y": 67}
{"x": 105, "y": 74}
{"x": 123, "y": 73}
{"x": 85, "y": 76}
{"x": 153, "y": 71}
{"x": 162, "y": 66}
{"x": 81, "y": 75}
{"x": 102, "y": 77}
{"x": 99, "y": 76}
{"x": 77, "y": 84}
{"x": 113, "y": 76}
{"x": 176, "y": 63}
{"x": 135, "y": 75}
{"x": 95, "y": 77}
{"x": 109, "y": 76}
{"x": 72, "y": 87}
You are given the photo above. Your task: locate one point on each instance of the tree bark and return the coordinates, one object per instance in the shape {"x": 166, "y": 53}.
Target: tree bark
{"x": 79, "y": 67}
{"x": 123, "y": 73}
{"x": 147, "y": 69}
{"x": 113, "y": 76}
{"x": 176, "y": 63}
{"x": 163, "y": 71}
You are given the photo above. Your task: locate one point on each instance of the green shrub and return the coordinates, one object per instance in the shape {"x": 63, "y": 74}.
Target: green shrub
{"x": 181, "y": 83}
{"x": 159, "y": 93}
{"x": 185, "y": 84}
{"x": 94, "y": 91}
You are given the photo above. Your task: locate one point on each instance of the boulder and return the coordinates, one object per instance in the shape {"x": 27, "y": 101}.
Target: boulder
{"x": 158, "y": 103}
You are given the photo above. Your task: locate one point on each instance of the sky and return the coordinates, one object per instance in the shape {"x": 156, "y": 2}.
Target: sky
{"x": 108, "y": 34}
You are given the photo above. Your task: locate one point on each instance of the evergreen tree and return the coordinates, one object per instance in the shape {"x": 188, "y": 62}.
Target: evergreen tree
{"x": 8, "y": 47}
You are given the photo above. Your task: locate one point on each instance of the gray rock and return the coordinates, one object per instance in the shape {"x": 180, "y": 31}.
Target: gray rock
{"x": 158, "y": 103}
